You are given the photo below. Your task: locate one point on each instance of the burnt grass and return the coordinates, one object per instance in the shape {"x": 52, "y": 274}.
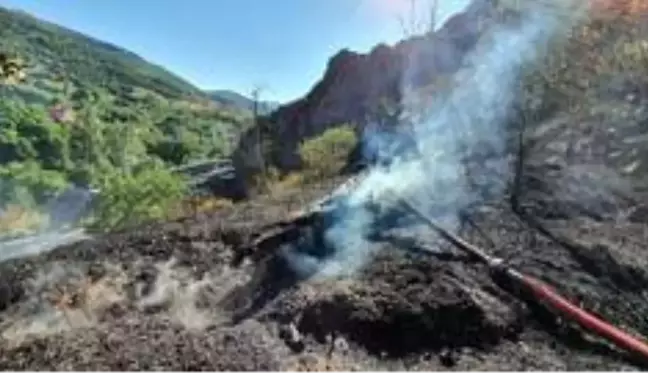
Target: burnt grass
{"x": 417, "y": 303}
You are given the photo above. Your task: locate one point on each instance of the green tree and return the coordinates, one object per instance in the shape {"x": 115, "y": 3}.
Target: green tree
{"x": 27, "y": 133}
{"x": 27, "y": 184}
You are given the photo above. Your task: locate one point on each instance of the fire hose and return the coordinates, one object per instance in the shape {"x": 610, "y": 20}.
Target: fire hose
{"x": 541, "y": 291}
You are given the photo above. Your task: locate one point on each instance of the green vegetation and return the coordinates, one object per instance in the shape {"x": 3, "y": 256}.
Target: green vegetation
{"x": 323, "y": 156}
{"x": 54, "y": 50}
{"x": 78, "y": 111}
{"x": 328, "y": 153}
{"x": 150, "y": 192}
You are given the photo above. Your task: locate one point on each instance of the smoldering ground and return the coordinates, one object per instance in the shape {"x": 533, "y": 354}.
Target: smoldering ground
{"x": 468, "y": 121}
{"x": 63, "y": 297}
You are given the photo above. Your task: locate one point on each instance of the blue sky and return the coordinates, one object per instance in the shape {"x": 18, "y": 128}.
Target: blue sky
{"x": 281, "y": 45}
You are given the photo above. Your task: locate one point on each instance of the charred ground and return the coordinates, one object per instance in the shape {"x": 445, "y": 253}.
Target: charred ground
{"x": 167, "y": 297}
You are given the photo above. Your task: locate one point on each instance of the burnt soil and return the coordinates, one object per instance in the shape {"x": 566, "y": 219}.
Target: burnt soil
{"x": 167, "y": 296}
{"x": 172, "y": 296}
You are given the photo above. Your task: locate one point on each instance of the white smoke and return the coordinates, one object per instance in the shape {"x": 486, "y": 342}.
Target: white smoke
{"x": 469, "y": 119}
{"x": 60, "y": 227}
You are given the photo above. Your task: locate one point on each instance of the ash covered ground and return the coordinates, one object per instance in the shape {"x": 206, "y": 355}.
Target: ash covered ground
{"x": 168, "y": 296}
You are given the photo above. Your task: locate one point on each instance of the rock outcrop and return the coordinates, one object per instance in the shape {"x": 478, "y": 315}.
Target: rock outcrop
{"x": 355, "y": 85}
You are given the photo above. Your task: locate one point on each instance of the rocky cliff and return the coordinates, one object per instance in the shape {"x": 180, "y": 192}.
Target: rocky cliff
{"x": 355, "y": 86}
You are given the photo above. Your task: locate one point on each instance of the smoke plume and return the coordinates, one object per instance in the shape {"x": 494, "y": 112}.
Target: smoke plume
{"x": 467, "y": 122}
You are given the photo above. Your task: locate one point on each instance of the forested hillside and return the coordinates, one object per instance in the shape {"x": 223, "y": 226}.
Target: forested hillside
{"x": 76, "y": 111}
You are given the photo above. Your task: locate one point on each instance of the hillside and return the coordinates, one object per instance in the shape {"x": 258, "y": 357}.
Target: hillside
{"x": 57, "y": 55}
{"x": 89, "y": 112}
{"x": 53, "y": 50}
{"x": 235, "y": 99}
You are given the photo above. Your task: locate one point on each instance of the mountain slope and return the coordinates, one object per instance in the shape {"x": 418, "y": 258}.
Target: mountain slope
{"x": 52, "y": 50}
{"x": 89, "y": 112}
{"x": 231, "y": 98}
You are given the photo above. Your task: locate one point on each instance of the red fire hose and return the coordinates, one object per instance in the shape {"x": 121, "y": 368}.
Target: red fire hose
{"x": 544, "y": 293}
{"x": 583, "y": 318}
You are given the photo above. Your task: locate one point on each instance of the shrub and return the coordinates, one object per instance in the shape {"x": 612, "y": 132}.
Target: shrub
{"x": 131, "y": 198}
{"x": 327, "y": 154}
{"x": 28, "y": 185}
{"x": 28, "y": 134}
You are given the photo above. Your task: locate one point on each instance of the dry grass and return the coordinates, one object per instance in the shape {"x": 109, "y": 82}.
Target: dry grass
{"x": 201, "y": 204}
{"x": 15, "y": 219}
{"x": 81, "y": 304}
{"x": 293, "y": 180}
{"x": 287, "y": 184}
{"x": 272, "y": 184}
{"x": 316, "y": 363}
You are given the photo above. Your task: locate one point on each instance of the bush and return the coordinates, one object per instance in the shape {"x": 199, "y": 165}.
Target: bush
{"x": 28, "y": 185}
{"x": 127, "y": 199}
{"x": 27, "y": 133}
{"x": 327, "y": 154}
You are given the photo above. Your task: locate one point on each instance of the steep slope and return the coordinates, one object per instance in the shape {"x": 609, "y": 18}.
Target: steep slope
{"x": 355, "y": 87}
{"x": 60, "y": 60}
{"x": 52, "y": 50}
{"x": 64, "y": 65}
